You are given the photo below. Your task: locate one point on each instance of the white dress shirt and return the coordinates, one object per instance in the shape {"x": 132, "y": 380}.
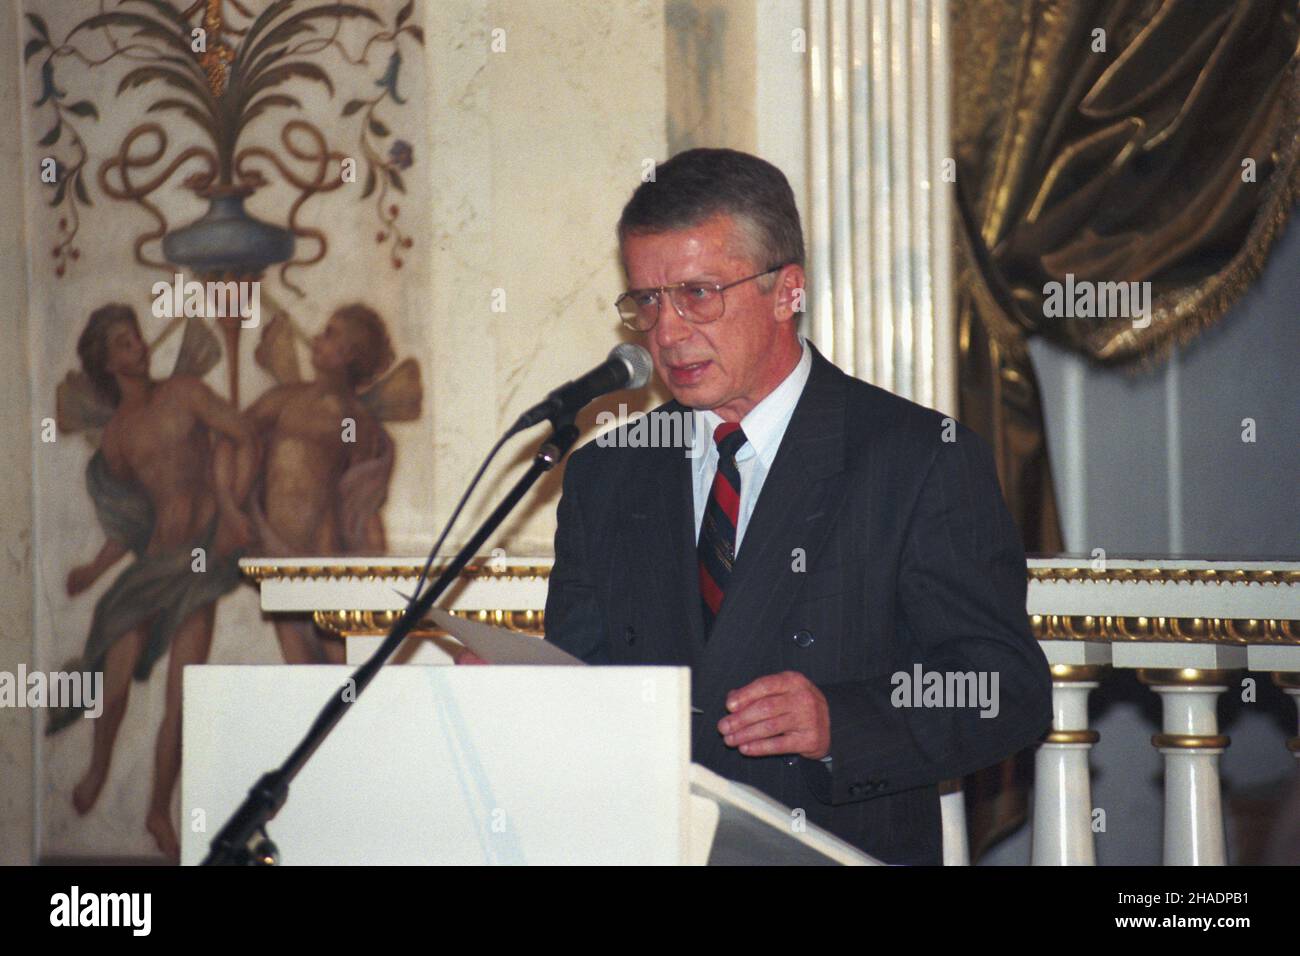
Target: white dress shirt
{"x": 764, "y": 428}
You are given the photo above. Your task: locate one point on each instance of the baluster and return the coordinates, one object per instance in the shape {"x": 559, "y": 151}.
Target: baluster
{"x": 1062, "y": 830}
{"x": 952, "y": 817}
{"x": 1191, "y": 745}
{"x": 1289, "y": 681}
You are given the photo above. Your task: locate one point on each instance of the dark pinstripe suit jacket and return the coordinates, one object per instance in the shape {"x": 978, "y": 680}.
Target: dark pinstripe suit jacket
{"x": 909, "y": 557}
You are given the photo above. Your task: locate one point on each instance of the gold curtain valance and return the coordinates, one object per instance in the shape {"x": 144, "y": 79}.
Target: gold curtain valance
{"x": 1123, "y": 142}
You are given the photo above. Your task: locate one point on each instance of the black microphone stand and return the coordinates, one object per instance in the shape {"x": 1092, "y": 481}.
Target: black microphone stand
{"x": 243, "y": 841}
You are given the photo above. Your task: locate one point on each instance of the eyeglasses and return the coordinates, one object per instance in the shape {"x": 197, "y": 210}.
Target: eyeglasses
{"x": 695, "y": 301}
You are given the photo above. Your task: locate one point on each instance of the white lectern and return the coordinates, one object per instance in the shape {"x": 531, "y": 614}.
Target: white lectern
{"x": 474, "y": 765}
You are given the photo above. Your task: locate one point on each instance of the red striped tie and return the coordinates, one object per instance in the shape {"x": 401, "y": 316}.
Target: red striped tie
{"x": 717, "y": 546}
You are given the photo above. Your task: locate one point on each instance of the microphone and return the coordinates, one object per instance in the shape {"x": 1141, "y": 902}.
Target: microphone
{"x": 628, "y": 366}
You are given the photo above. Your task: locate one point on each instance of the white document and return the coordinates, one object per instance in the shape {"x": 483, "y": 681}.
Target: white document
{"x": 496, "y": 645}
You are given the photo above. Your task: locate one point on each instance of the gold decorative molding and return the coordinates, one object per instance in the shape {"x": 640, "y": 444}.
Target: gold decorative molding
{"x": 1072, "y": 737}
{"x": 1183, "y": 677}
{"x": 1168, "y": 575}
{"x": 1075, "y": 673}
{"x": 1099, "y": 628}
{"x": 1197, "y": 630}
{"x": 487, "y": 566}
{"x": 343, "y": 623}
{"x": 479, "y": 568}
{"x": 1190, "y": 741}
{"x": 346, "y": 623}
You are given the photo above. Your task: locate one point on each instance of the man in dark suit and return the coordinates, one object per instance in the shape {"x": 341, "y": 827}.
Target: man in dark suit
{"x": 809, "y": 566}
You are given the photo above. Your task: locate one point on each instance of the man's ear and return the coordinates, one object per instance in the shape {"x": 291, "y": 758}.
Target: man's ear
{"x": 790, "y": 293}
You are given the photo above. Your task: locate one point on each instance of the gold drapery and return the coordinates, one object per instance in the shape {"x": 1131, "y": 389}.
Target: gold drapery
{"x": 1111, "y": 141}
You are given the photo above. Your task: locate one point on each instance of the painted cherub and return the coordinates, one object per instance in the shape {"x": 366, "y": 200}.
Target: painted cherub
{"x": 327, "y": 457}
{"x": 173, "y": 465}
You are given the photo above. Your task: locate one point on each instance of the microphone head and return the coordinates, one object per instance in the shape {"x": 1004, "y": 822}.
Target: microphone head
{"x": 638, "y": 362}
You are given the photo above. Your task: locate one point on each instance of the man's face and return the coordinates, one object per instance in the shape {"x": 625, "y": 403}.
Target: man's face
{"x": 727, "y": 365}
{"x": 127, "y": 353}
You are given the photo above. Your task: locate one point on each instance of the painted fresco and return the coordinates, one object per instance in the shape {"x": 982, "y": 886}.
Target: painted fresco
{"x": 233, "y": 210}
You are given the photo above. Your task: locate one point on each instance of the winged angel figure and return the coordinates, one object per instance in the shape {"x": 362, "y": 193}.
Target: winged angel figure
{"x": 327, "y": 459}
{"x": 186, "y": 484}
{"x": 172, "y": 465}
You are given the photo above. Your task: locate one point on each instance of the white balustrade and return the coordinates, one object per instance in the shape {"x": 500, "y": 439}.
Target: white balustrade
{"x": 1189, "y": 629}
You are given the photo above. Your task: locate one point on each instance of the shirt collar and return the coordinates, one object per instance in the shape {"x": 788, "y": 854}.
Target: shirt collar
{"x": 766, "y": 422}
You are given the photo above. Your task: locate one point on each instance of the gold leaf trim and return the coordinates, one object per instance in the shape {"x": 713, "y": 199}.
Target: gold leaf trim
{"x": 1169, "y": 575}
{"x": 1182, "y": 676}
{"x": 1072, "y": 737}
{"x": 1190, "y": 741}
{"x": 357, "y": 623}
{"x": 1075, "y": 673}
{"x": 335, "y": 572}
{"x": 1189, "y": 630}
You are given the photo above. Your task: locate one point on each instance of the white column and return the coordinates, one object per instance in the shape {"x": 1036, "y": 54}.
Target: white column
{"x": 1289, "y": 681}
{"x": 952, "y": 816}
{"x": 1062, "y": 829}
{"x": 878, "y": 213}
{"x": 1191, "y": 745}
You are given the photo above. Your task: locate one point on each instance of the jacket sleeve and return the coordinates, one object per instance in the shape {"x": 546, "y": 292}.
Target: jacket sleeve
{"x": 961, "y": 609}
{"x": 573, "y": 620}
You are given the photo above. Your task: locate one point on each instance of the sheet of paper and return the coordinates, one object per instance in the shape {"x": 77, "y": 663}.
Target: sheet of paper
{"x": 496, "y": 645}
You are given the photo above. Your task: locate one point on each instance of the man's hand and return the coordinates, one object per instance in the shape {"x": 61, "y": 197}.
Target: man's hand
{"x": 466, "y": 656}
{"x": 778, "y": 714}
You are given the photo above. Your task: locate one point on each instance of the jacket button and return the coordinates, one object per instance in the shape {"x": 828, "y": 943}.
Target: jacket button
{"x": 791, "y": 759}
{"x": 629, "y": 634}
{"x": 803, "y": 638}
{"x": 855, "y": 790}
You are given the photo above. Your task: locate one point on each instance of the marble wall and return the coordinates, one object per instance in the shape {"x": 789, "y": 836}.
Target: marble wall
{"x": 535, "y": 149}
{"x": 712, "y": 65}
{"x": 16, "y": 560}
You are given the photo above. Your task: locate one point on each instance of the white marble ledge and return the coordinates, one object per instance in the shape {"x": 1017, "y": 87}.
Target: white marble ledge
{"x": 1165, "y": 587}
{"x": 1222, "y": 589}
{"x": 380, "y": 584}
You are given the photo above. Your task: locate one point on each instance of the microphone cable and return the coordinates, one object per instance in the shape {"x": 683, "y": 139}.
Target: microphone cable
{"x": 460, "y": 505}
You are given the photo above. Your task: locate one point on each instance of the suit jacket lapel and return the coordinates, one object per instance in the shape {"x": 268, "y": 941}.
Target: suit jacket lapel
{"x": 664, "y": 548}
{"x": 678, "y": 497}
{"x": 799, "y": 497}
